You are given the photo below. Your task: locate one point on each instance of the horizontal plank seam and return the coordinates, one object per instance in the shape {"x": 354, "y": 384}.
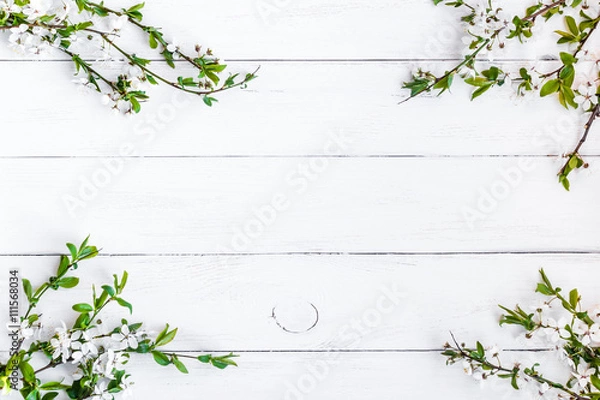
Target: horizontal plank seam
{"x": 283, "y": 156}
{"x": 358, "y": 351}
{"x": 327, "y": 253}
{"x": 350, "y": 351}
{"x": 306, "y": 60}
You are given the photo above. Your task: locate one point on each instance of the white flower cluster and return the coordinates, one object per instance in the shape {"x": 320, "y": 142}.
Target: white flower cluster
{"x": 489, "y": 22}
{"x": 552, "y": 329}
{"x": 41, "y": 33}
{"x": 28, "y": 38}
{"x": 474, "y": 370}
{"x": 132, "y": 77}
{"x": 106, "y": 354}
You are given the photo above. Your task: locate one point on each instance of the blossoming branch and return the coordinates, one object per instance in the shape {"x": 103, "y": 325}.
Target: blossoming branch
{"x": 71, "y": 26}
{"x": 93, "y": 355}
{"x": 574, "y": 83}
{"x": 560, "y": 322}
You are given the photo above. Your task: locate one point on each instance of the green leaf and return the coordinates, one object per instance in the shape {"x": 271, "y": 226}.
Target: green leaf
{"x": 513, "y": 381}
{"x": 50, "y": 396}
{"x": 72, "y": 250}
{"x": 480, "y": 349}
{"x": 444, "y": 83}
{"x": 53, "y": 386}
{"x": 221, "y": 362}
{"x": 135, "y": 105}
{"x": 123, "y": 281}
{"x": 109, "y": 289}
{"x": 151, "y": 79}
{"x": 564, "y": 181}
{"x": 550, "y": 87}
{"x": 83, "y": 321}
{"x": 416, "y": 86}
{"x": 88, "y": 252}
{"x": 27, "y": 289}
{"x": 27, "y": 371}
{"x": 543, "y": 289}
{"x": 572, "y": 25}
{"x": 136, "y": 7}
{"x": 479, "y": 91}
{"x": 595, "y": 381}
{"x": 33, "y": 395}
{"x": 152, "y": 41}
{"x": 63, "y": 266}
{"x": 179, "y": 365}
{"x": 83, "y": 307}
{"x": 125, "y": 304}
{"x": 166, "y": 338}
{"x": 209, "y": 100}
{"x": 567, "y": 58}
{"x": 161, "y": 358}
{"x": 574, "y": 298}
{"x": 68, "y": 282}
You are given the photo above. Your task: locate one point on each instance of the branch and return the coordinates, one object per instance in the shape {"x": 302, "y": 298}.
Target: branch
{"x": 593, "y": 115}
{"x": 531, "y": 375}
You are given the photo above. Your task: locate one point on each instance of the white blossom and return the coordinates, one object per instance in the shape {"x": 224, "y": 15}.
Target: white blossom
{"x": 555, "y": 331}
{"x": 583, "y": 374}
{"x": 587, "y": 333}
{"x": 126, "y": 337}
{"x": 587, "y": 96}
{"x": 61, "y": 343}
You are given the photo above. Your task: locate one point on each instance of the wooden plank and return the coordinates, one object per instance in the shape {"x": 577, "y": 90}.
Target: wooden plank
{"x": 325, "y": 29}
{"x": 231, "y": 205}
{"x": 300, "y": 376}
{"x": 364, "y": 303}
{"x": 292, "y": 109}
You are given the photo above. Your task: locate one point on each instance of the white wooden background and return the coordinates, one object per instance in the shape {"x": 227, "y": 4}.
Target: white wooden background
{"x": 379, "y": 211}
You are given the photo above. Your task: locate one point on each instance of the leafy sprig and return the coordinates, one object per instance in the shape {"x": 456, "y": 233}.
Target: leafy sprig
{"x": 576, "y": 336}
{"x": 68, "y": 23}
{"x": 489, "y": 28}
{"x": 100, "y": 355}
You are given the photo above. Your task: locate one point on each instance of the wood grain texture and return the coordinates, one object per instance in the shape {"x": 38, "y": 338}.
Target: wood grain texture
{"x": 298, "y": 376}
{"x": 310, "y": 192}
{"x": 364, "y": 303}
{"x": 230, "y": 205}
{"x": 326, "y": 29}
{"x": 292, "y": 109}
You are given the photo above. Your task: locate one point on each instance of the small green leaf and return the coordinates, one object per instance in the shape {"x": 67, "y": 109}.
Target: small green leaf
{"x": 161, "y": 358}
{"x": 166, "y": 338}
{"x": 152, "y": 41}
{"x": 567, "y": 58}
{"x": 67, "y": 283}
{"x": 27, "y": 289}
{"x": 572, "y": 25}
{"x": 109, "y": 289}
{"x": 543, "y": 289}
{"x": 53, "y": 386}
{"x": 179, "y": 365}
{"x": 125, "y": 304}
{"x": 27, "y": 371}
{"x": 550, "y": 87}
{"x": 63, "y": 266}
{"x": 574, "y": 298}
{"x": 72, "y": 250}
{"x": 83, "y": 307}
